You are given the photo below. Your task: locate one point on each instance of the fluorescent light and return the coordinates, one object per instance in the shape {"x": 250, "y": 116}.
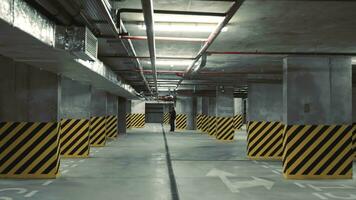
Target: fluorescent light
{"x": 173, "y": 63}
{"x": 185, "y": 27}
{"x": 353, "y": 61}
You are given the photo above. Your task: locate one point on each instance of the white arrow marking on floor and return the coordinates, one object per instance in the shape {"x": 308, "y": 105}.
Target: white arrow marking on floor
{"x": 19, "y": 190}
{"x": 223, "y": 176}
{"x": 235, "y": 187}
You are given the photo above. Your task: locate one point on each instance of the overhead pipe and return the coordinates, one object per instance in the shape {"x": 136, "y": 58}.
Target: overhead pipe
{"x": 229, "y": 14}
{"x": 171, "y": 12}
{"x": 147, "y": 6}
{"x": 262, "y": 53}
{"x": 112, "y": 24}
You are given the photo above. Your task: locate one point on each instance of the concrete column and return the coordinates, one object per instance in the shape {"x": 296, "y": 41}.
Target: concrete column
{"x": 112, "y": 105}
{"x": 212, "y": 106}
{"x": 76, "y": 98}
{"x": 184, "y": 110}
{"x": 265, "y": 129}
{"x": 122, "y": 111}
{"x": 317, "y": 103}
{"x": 205, "y": 105}
{"x": 98, "y": 103}
{"x": 138, "y": 110}
{"x": 32, "y": 97}
{"x": 224, "y": 113}
{"x": 239, "y": 113}
{"x": 28, "y": 94}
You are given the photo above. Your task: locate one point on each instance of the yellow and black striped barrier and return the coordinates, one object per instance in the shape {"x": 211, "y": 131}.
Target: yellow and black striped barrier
{"x": 225, "y": 128}
{"x": 204, "y": 119}
{"x": 111, "y": 127}
{"x": 128, "y": 121}
{"x": 206, "y": 125}
{"x": 166, "y": 118}
{"x": 199, "y": 121}
{"x": 212, "y": 126}
{"x": 29, "y": 149}
{"x": 238, "y": 122}
{"x": 181, "y": 121}
{"x": 137, "y": 120}
{"x": 265, "y": 140}
{"x": 354, "y": 142}
{"x": 97, "y": 131}
{"x": 318, "y": 152}
{"x": 74, "y": 138}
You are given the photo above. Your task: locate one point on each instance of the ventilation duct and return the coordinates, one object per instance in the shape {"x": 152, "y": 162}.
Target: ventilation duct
{"x": 80, "y": 41}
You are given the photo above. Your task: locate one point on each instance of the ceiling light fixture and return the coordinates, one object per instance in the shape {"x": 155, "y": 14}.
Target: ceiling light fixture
{"x": 172, "y": 63}
{"x": 185, "y": 27}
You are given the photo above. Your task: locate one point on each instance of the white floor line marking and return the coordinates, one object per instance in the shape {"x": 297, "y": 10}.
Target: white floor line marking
{"x": 75, "y": 165}
{"x": 274, "y": 171}
{"x": 319, "y": 196}
{"x": 265, "y": 166}
{"x": 254, "y": 161}
{"x": 81, "y": 161}
{"x": 65, "y": 171}
{"x": 300, "y": 185}
{"x": 47, "y": 183}
{"x": 31, "y": 194}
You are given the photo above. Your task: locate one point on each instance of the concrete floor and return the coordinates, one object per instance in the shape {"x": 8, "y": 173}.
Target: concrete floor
{"x": 135, "y": 167}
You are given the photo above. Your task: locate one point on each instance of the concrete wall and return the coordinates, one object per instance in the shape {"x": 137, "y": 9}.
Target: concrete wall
{"x": 122, "y": 106}
{"x": 265, "y": 102}
{"x": 76, "y": 98}
{"x": 317, "y": 90}
{"x": 112, "y": 104}
{"x": 27, "y": 94}
{"x": 98, "y": 103}
{"x": 138, "y": 106}
{"x": 225, "y": 102}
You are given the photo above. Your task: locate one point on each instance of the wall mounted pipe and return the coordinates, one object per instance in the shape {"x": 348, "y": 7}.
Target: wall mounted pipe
{"x": 172, "y": 12}
{"x": 147, "y": 6}
{"x": 164, "y": 38}
{"x": 111, "y": 22}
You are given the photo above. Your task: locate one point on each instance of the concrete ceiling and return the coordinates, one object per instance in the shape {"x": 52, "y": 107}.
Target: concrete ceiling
{"x": 259, "y": 25}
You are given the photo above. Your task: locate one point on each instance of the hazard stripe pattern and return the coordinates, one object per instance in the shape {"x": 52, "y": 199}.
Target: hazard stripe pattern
{"x": 204, "y": 119}
{"x": 265, "y": 140}
{"x": 74, "y": 138}
{"x": 128, "y": 121}
{"x": 29, "y": 149}
{"x": 137, "y": 120}
{"x": 212, "y": 126}
{"x": 165, "y": 118}
{"x": 181, "y": 121}
{"x": 317, "y": 151}
{"x": 97, "y": 131}
{"x": 354, "y": 141}
{"x": 206, "y": 126}
{"x": 238, "y": 122}
{"x": 111, "y": 127}
{"x": 199, "y": 120}
{"x": 225, "y": 128}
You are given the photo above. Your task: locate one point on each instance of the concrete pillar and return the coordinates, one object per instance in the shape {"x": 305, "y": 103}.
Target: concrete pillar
{"x": 224, "y": 113}
{"x": 75, "y": 118}
{"x": 185, "y": 115}
{"x": 205, "y": 105}
{"x": 354, "y": 120}
{"x": 76, "y": 98}
{"x": 29, "y": 113}
{"x": 265, "y": 129}
{"x": 112, "y": 116}
{"x": 98, "y": 108}
{"x": 199, "y": 113}
{"x": 239, "y": 113}
{"x": 122, "y": 112}
{"x": 138, "y": 110}
{"x": 317, "y": 102}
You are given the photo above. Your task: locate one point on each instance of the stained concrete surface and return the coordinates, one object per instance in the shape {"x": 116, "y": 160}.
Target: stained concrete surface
{"x": 134, "y": 167}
